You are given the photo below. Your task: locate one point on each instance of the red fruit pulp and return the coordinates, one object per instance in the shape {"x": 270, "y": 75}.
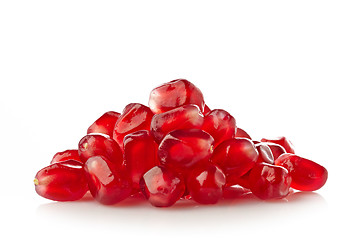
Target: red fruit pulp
{"x": 134, "y": 117}
{"x": 277, "y": 150}
{"x": 205, "y": 183}
{"x": 140, "y": 151}
{"x": 220, "y": 125}
{"x": 95, "y": 144}
{"x": 61, "y": 181}
{"x": 306, "y": 174}
{"x": 183, "y": 148}
{"x": 240, "y": 133}
{"x": 107, "y": 182}
{"x": 264, "y": 153}
{"x": 283, "y": 141}
{"x": 162, "y": 186}
{"x": 66, "y": 155}
{"x": 235, "y": 157}
{"x": 174, "y": 94}
{"x": 105, "y": 124}
{"x": 269, "y": 181}
{"x": 184, "y": 117}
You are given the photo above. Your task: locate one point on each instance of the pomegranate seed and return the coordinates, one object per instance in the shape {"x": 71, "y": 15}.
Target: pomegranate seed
{"x": 277, "y": 150}
{"x": 162, "y": 187}
{"x": 205, "y": 183}
{"x": 134, "y": 117}
{"x": 220, "y": 125}
{"x": 269, "y": 181}
{"x": 140, "y": 151}
{"x": 264, "y": 153}
{"x": 107, "y": 182}
{"x": 306, "y": 174}
{"x": 174, "y": 94}
{"x": 61, "y": 181}
{"x": 182, "y": 149}
{"x": 66, "y": 155}
{"x": 283, "y": 141}
{"x": 184, "y": 117}
{"x": 235, "y": 157}
{"x": 240, "y": 133}
{"x": 105, "y": 124}
{"x": 95, "y": 144}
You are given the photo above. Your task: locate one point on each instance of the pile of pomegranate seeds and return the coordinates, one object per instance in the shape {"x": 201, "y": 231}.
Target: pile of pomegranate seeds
{"x": 175, "y": 148}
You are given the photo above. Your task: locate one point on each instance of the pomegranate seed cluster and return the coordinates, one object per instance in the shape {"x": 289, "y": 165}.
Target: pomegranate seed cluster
{"x": 176, "y": 147}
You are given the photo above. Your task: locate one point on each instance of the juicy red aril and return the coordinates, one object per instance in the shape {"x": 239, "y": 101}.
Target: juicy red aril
{"x": 235, "y": 157}
{"x": 283, "y": 141}
{"x": 66, "y": 155}
{"x": 240, "y": 133}
{"x": 162, "y": 186}
{"x": 134, "y": 117}
{"x": 61, "y": 181}
{"x": 306, "y": 174}
{"x": 174, "y": 94}
{"x": 277, "y": 150}
{"x": 205, "y": 183}
{"x": 182, "y": 149}
{"x": 220, "y": 125}
{"x": 140, "y": 151}
{"x": 264, "y": 153}
{"x": 95, "y": 144}
{"x": 105, "y": 124}
{"x": 107, "y": 182}
{"x": 184, "y": 117}
{"x": 269, "y": 181}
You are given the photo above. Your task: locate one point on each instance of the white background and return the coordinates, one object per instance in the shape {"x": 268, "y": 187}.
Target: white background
{"x": 280, "y": 67}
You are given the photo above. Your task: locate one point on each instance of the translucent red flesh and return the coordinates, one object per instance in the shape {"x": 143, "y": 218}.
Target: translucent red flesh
{"x": 61, "y": 181}
{"x": 105, "y": 124}
{"x": 162, "y": 187}
{"x": 174, "y": 94}
{"x": 107, "y": 182}
{"x": 134, "y": 117}
{"x": 140, "y": 152}
{"x": 306, "y": 174}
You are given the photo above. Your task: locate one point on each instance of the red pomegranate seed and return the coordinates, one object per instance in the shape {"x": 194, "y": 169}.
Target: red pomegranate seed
{"x": 306, "y": 174}
{"x": 107, "y": 182}
{"x": 205, "y": 183}
{"x": 235, "y": 157}
{"x": 134, "y": 117}
{"x": 61, "y": 181}
{"x": 182, "y": 149}
{"x": 240, "y": 133}
{"x": 264, "y": 153}
{"x": 220, "y": 125}
{"x": 66, "y": 155}
{"x": 174, "y": 94}
{"x": 95, "y": 144}
{"x": 105, "y": 124}
{"x": 269, "y": 181}
{"x": 283, "y": 141}
{"x": 277, "y": 150}
{"x": 162, "y": 186}
{"x": 184, "y": 117}
{"x": 140, "y": 151}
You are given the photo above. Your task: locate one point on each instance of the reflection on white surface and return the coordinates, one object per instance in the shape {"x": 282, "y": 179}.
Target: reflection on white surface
{"x": 238, "y": 209}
